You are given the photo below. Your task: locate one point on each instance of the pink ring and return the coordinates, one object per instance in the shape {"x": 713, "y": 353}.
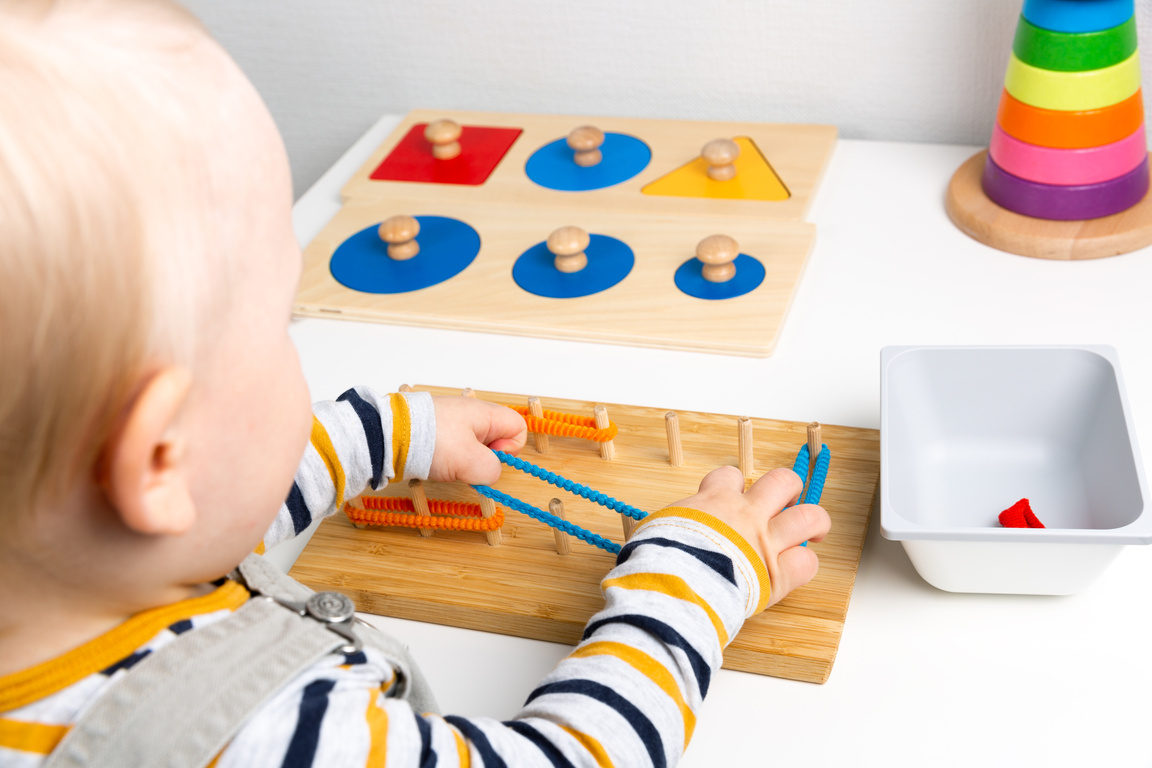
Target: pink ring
{"x": 1067, "y": 167}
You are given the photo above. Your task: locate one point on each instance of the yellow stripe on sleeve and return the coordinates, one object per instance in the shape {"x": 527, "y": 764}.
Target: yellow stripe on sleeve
{"x": 462, "y": 752}
{"x": 673, "y": 586}
{"x": 650, "y": 668}
{"x": 377, "y": 734}
{"x": 323, "y": 445}
{"x": 401, "y": 434}
{"x": 37, "y": 738}
{"x": 594, "y": 747}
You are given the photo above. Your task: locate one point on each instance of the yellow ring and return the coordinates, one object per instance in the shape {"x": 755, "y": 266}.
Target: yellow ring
{"x": 1072, "y": 91}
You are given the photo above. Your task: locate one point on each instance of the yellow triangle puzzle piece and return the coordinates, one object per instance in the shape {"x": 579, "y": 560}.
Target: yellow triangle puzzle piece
{"x": 754, "y": 179}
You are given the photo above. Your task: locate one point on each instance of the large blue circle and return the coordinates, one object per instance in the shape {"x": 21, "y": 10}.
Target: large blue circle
{"x": 552, "y": 166}
{"x": 1077, "y": 16}
{"x": 447, "y": 247}
{"x": 609, "y": 262}
{"x": 749, "y": 275}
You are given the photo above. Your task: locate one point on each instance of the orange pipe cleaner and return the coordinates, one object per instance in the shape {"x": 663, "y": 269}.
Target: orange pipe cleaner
{"x": 567, "y": 425}
{"x": 446, "y": 515}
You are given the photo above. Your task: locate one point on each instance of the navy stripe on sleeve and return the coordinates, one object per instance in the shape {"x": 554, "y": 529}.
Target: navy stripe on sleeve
{"x": 427, "y": 753}
{"x": 666, "y": 635}
{"x": 476, "y": 737}
{"x": 301, "y": 517}
{"x": 549, "y": 749}
{"x": 306, "y": 737}
{"x": 125, "y": 663}
{"x": 180, "y": 627}
{"x": 608, "y": 697}
{"x": 722, "y": 564}
{"x": 370, "y": 421}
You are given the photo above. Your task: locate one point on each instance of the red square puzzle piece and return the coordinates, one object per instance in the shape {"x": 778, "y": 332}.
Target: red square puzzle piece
{"x": 481, "y": 149}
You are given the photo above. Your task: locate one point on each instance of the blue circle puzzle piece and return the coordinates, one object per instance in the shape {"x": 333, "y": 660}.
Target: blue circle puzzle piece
{"x": 447, "y": 247}
{"x": 609, "y": 262}
{"x": 552, "y": 166}
{"x": 749, "y": 275}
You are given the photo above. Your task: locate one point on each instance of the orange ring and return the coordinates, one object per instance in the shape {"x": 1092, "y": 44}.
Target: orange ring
{"x": 1070, "y": 130}
{"x": 386, "y": 517}
{"x": 566, "y": 425}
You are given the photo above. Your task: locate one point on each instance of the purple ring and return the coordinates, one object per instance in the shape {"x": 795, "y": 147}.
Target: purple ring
{"x": 1065, "y": 203}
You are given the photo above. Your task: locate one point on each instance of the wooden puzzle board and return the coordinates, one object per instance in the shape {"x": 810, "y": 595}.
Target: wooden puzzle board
{"x": 798, "y": 153}
{"x": 524, "y": 588}
{"x": 644, "y": 309}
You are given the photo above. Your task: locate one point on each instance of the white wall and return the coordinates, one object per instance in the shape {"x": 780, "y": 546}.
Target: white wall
{"x": 903, "y": 70}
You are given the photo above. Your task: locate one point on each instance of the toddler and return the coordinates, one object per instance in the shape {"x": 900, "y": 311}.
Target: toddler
{"x": 153, "y": 416}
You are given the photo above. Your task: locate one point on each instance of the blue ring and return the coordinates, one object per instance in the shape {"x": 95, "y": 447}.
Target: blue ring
{"x": 749, "y": 275}
{"x": 552, "y": 166}
{"x": 447, "y": 247}
{"x": 1078, "y": 15}
{"x": 609, "y": 262}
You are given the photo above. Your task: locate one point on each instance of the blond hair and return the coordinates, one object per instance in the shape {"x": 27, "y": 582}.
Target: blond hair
{"x": 104, "y": 238}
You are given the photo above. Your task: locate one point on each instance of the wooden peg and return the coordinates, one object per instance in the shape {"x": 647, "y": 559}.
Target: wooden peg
{"x": 607, "y": 449}
{"x": 400, "y": 233}
{"x": 420, "y": 502}
{"x": 585, "y": 142}
{"x": 744, "y": 444}
{"x": 539, "y": 438}
{"x": 629, "y": 526}
{"x": 814, "y": 443}
{"x": 721, "y": 154}
{"x": 467, "y": 392}
{"x": 444, "y": 135}
{"x": 672, "y": 427}
{"x": 567, "y": 244}
{"x": 487, "y": 510}
{"x": 563, "y": 546}
{"x": 718, "y": 252}
{"x": 404, "y": 388}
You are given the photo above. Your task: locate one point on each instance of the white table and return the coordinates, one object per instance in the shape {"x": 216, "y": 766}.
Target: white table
{"x": 923, "y": 677}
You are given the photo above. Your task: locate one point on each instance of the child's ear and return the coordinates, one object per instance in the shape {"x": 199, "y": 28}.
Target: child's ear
{"x": 142, "y": 470}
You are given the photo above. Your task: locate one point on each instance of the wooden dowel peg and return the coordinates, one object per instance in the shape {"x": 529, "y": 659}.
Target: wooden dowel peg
{"x": 538, "y": 438}
{"x": 607, "y": 449}
{"x": 718, "y": 252}
{"x": 563, "y": 546}
{"x": 420, "y": 502}
{"x": 487, "y": 510}
{"x": 444, "y": 135}
{"x": 468, "y": 392}
{"x": 400, "y": 233}
{"x": 744, "y": 444}
{"x": 814, "y": 443}
{"x": 721, "y": 154}
{"x": 567, "y": 245}
{"x": 585, "y": 143}
{"x": 629, "y": 526}
{"x": 675, "y": 450}
{"x": 404, "y": 388}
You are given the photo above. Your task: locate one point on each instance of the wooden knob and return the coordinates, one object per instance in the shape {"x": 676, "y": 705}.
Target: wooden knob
{"x": 400, "y": 234}
{"x": 721, "y": 154}
{"x": 567, "y": 244}
{"x": 585, "y": 142}
{"x": 444, "y": 136}
{"x": 718, "y": 252}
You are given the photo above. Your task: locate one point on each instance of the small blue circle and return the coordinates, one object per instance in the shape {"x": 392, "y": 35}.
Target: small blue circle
{"x": 609, "y": 262}
{"x": 749, "y": 275}
{"x": 623, "y": 157}
{"x": 447, "y": 247}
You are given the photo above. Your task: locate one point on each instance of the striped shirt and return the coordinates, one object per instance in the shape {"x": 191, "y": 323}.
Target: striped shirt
{"x": 627, "y": 695}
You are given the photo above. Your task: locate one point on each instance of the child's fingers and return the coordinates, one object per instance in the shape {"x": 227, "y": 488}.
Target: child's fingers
{"x": 722, "y": 479}
{"x": 502, "y": 429}
{"x": 775, "y": 490}
{"x": 795, "y": 567}
{"x": 794, "y": 525}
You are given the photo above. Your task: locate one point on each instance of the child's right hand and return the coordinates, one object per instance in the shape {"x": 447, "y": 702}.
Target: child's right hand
{"x": 763, "y": 515}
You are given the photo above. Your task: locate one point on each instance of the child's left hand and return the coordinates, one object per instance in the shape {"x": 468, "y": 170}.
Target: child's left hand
{"x": 467, "y": 431}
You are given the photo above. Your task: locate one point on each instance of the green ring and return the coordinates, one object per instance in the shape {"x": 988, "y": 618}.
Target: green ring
{"x": 1074, "y": 52}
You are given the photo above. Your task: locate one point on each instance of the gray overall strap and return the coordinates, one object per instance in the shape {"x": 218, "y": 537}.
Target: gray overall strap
{"x": 183, "y": 703}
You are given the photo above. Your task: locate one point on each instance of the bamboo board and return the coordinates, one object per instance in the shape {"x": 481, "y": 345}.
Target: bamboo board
{"x": 524, "y": 588}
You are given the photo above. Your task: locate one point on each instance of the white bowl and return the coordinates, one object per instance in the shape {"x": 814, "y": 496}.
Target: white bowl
{"x": 965, "y": 432}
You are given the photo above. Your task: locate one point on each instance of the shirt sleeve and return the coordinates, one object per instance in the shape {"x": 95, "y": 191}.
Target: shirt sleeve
{"x": 628, "y": 694}
{"x": 360, "y": 440}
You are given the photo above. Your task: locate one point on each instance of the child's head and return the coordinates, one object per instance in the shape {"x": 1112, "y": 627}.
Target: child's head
{"x": 147, "y": 268}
